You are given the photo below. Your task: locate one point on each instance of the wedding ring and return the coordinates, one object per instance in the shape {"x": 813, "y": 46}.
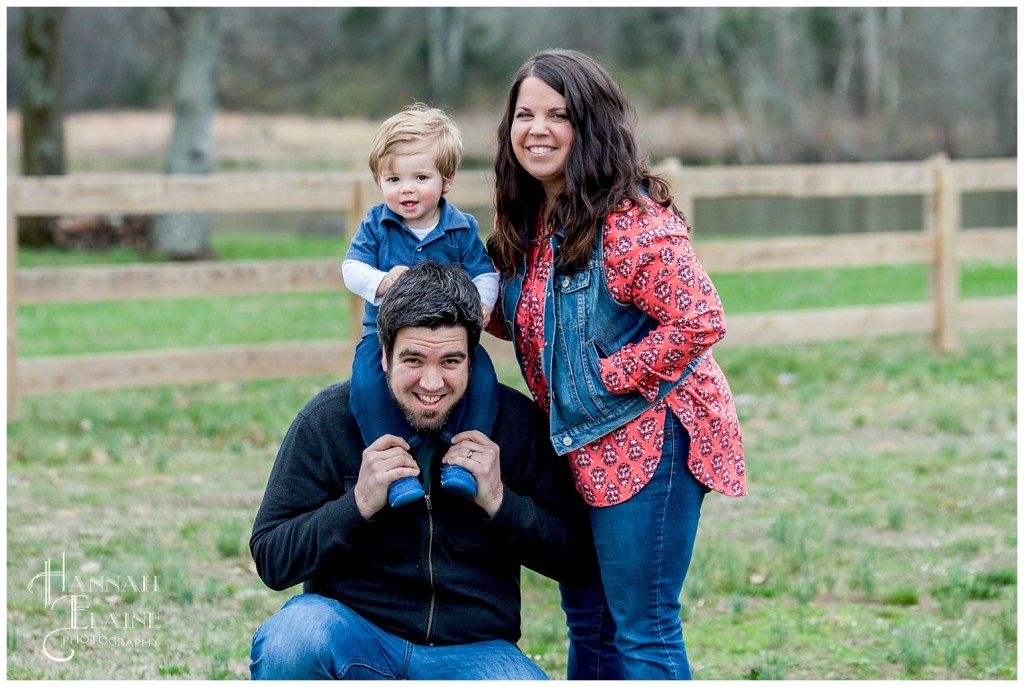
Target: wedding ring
{"x": 469, "y": 454}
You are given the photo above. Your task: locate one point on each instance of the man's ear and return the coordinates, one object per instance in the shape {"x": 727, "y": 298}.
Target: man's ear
{"x": 383, "y": 360}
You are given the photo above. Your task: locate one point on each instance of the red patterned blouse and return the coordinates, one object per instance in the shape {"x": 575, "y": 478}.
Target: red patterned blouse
{"x": 650, "y": 263}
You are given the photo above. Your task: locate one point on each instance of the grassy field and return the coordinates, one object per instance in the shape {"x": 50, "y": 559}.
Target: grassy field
{"x": 878, "y": 540}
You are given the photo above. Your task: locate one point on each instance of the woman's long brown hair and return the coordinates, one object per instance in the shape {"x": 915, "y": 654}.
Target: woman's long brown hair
{"x": 602, "y": 169}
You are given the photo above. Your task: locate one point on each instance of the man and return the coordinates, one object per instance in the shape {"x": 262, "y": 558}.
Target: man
{"x": 428, "y": 590}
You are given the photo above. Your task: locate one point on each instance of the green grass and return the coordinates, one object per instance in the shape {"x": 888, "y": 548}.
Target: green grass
{"x": 57, "y": 257}
{"x": 878, "y": 540}
{"x": 270, "y": 246}
{"x": 876, "y": 285}
{"x": 141, "y": 325}
{"x": 226, "y": 245}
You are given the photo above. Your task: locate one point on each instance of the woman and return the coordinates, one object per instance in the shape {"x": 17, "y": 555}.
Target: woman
{"x": 612, "y": 318}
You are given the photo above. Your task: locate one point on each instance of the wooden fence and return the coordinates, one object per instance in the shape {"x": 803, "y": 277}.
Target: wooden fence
{"x": 938, "y": 181}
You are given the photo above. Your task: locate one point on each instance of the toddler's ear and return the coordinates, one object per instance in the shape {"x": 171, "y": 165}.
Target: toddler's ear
{"x": 447, "y": 184}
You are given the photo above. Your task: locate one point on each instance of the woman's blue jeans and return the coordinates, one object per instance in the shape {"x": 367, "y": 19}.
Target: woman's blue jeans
{"x": 644, "y": 546}
{"x": 316, "y": 638}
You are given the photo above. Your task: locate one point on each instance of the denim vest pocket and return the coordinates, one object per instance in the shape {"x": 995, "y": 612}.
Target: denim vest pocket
{"x": 600, "y": 399}
{"x": 571, "y": 296}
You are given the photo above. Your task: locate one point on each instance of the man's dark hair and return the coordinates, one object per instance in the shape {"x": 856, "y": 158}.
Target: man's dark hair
{"x": 432, "y": 295}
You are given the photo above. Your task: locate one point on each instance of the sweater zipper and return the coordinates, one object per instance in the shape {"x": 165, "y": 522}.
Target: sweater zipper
{"x": 430, "y": 566}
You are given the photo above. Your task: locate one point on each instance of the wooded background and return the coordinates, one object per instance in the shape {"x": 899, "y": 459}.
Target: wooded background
{"x": 787, "y": 84}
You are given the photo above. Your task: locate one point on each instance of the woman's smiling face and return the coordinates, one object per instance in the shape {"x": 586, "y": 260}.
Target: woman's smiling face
{"x": 541, "y": 134}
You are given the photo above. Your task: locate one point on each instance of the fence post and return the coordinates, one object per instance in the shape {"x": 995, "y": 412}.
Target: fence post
{"x": 360, "y": 205}
{"x": 945, "y": 278}
{"x": 681, "y": 193}
{"x": 12, "y": 309}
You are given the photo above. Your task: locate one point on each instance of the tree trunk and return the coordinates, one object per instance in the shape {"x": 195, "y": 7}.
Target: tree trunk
{"x": 186, "y": 236}
{"x": 42, "y": 109}
{"x": 446, "y": 44}
{"x": 892, "y": 85}
{"x": 871, "y": 40}
{"x": 1005, "y": 96}
{"x": 843, "y": 109}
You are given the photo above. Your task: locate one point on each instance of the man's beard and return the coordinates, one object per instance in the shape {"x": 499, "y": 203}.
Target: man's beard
{"x": 429, "y": 421}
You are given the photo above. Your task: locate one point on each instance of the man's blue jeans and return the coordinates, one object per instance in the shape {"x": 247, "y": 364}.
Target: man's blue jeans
{"x": 316, "y": 638}
{"x": 644, "y": 547}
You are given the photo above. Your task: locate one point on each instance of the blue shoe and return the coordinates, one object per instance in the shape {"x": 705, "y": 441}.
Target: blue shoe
{"x": 458, "y": 480}
{"x": 403, "y": 491}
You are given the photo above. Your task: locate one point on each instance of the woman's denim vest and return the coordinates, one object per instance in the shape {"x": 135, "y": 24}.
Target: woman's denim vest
{"x": 591, "y": 325}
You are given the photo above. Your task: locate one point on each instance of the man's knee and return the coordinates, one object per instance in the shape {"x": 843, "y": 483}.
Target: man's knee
{"x": 295, "y": 642}
{"x": 509, "y": 665}
{"x": 491, "y": 660}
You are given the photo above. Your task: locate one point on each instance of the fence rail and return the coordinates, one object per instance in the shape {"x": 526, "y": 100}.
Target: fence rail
{"x": 939, "y": 181}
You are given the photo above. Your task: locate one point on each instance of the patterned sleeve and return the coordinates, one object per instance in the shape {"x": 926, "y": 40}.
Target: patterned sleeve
{"x": 650, "y": 263}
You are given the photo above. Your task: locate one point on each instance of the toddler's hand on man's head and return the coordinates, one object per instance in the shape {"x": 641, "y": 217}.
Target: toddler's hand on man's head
{"x": 389, "y": 279}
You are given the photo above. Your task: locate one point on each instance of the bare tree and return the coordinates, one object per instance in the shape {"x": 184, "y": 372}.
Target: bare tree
{"x": 138, "y": 65}
{"x": 891, "y": 84}
{"x": 186, "y": 236}
{"x": 42, "y": 108}
{"x": 871, "y": 39}
{"x": 446, "y": 48}
{"x": 1005, "y": 83}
